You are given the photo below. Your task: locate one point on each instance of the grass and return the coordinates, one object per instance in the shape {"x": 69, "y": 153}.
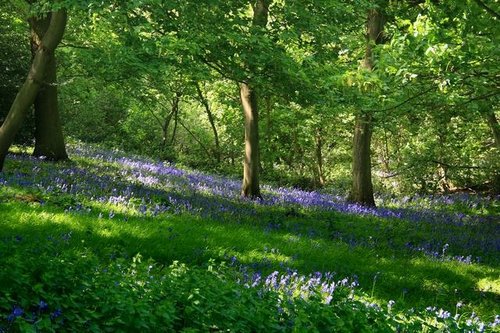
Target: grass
{"x": 110, "y": 208}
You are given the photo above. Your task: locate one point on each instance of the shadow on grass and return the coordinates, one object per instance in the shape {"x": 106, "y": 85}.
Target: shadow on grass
{"x": 412, "y": 281}
{"x": 193, "y": 226}
{"x": 87, "y": 179}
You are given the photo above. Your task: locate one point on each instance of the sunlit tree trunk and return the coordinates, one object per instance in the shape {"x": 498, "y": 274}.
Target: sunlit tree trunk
{"x": 362, "y": 186}
{"x": 30, "y": 88}
{"x": 49, "y": 139}
{"x": 250, "y": 187}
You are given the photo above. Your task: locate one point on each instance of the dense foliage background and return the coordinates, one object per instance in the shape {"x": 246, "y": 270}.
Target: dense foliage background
{"x": 160, "y": 81}
{"x": 147, "y": 225}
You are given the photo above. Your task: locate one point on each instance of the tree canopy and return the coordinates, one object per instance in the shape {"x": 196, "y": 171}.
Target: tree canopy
{"x": 162, "y": 79}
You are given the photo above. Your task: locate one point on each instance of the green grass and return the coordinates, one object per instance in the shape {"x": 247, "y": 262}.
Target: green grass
{"x": 410, "y": 281}
{"x": 385, "y": 272}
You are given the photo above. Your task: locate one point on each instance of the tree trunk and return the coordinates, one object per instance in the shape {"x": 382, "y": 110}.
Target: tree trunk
{"x": 494, "y": 126}
{"x": 495, "y": 130}
{"x": 319, "y": 157}
{"x": 250, "y": 187}
{"x": 269, "y": 166}
{"x": 164, "y": 130}
{"x": 362, "y": 187}
{"x": 175, "y": 112}
{"x": 49, "y": 139}
{"x": 211, "y": 119}
{"x": 30, "y": 88}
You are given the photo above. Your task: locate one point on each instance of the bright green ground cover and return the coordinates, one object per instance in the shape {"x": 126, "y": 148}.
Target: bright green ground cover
{"x": 70, "y": 234}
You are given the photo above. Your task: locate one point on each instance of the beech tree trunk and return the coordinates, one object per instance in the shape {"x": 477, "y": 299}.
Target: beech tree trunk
{"x": 31, "y": 86}
{"x": 250, "y": 187}
{"x": 251, "y": 164}
{"x": 362, "y": 186}
{"x": 49, "y": 139}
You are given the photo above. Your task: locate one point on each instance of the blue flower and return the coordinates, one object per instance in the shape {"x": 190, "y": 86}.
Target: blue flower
{"x": 443, "y": 314}
{"x": 42, "y": 305}
{"x": 55, "y": 314}
{"x": 17, "y": 311}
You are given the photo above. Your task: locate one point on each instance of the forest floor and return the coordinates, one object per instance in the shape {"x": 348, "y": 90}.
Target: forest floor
{"x": 435, "y": 256}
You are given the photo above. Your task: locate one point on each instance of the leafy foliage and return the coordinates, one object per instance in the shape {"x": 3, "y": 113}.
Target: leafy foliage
{"x": 161, "y": 79}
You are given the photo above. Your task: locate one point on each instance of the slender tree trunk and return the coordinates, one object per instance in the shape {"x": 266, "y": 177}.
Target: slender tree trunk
{"x": 495, "y": 130}
{"x": 494, "y": 126}
{"x": 211, "y": 119}
{"x": 442, "y": 168}
{"x": 250, "y": 187}
{"x": 319, "y": 157}
{"x": 30, "y": 88}
{"x": 164, "y": 130}
{"x": 362, "y": 186}
{"x": 175, "y": 113}
{"x": 386, "y": 154}
{"x": 269, "y": 127}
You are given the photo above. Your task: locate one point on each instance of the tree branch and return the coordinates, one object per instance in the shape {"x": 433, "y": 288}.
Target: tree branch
{"x": 84, "y": 47}
{"x": 456, "y": 166}
{"x": 488, "y": 9}
{"x": 407, "y": 100}
{"x": 195, "y": 138}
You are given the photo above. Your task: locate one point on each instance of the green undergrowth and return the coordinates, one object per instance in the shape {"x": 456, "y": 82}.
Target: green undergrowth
{"x": 86, "y": 265}
{"x": 77, "y": 289}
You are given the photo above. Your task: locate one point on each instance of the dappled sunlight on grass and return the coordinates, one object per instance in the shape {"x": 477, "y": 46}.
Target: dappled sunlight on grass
{"x": 490, "y": 285}
{"x": 126, "y": 206}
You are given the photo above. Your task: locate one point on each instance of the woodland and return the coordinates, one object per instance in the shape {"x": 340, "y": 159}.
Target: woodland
{"x": 249, "y": 166}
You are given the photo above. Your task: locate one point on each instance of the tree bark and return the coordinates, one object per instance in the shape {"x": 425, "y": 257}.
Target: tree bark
{"x": 49, "y": 139}
{"x": 250, "y": 187}
{"x": 164, "y": 129}
{"x": 495, "y": 130}
{"x": 211, "y": 119}
{"x": 30, "y": 88}
{"x": 175, "y": 112}
{"x": 362, "y": 186}
{"x": 319, "y": 157}
{"x": 494, "y": 126}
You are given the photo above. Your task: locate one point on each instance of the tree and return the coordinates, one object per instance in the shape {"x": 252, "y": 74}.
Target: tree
{"x": 249, "y": 101}
{"x": 204, "y": 101}
{"x": 362, "y": 187}
{"x": 49, "y": 139}
{"x": 34, "y": 80}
